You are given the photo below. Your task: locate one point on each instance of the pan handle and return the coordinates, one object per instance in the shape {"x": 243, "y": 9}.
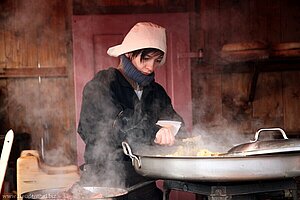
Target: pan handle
{"x": 256, "y": 137}
{"x": 127, "y": 151}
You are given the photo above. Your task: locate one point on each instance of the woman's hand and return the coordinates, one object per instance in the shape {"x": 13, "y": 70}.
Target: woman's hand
{"x": 164, "y": 137}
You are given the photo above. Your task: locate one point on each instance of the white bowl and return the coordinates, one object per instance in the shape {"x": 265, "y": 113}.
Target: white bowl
{"x": 173, "y": 125}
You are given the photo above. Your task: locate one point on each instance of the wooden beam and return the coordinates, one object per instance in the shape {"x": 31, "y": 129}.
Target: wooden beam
{"x": 26, "y": 72}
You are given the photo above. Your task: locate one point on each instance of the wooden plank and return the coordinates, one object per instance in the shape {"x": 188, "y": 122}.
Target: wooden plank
{"x": 27, "y": 26}
{"x": 291, "y": 99}
{"x": 4, "y": 125}
{"x": 2, "y": 46}
{"x": 33, "y": 72}
{"x": 234, "y": 21}
{"x": 131, "y": 6}
{"x": 10, "y": 49}
{"x": 21, "y": 57}
{"x": 31, "y": 49}
{"x": 258, "y": 23}
{"x": 40, "y": 108}
{"x": 207, "y": 107}
{"x": 273, "y": 17}
{"x": 234, "y": 24}
{"x": 235, "y": 107}
{"x": 56, "y": 122}
{"x": 196, "y": 35}
{"x": 290, "y": 23}
{"x": 268, "y": 105}
{"x": 242, "y": 67}
{"x": 210, "y": 26}
{"x": 59, "y": 21}
{"x": 47, "y": 37}
{"x": 24, "y": 108}
{"x": 10, "y": 35}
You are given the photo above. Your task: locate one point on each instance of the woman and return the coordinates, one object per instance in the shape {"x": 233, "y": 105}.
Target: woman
{"x": 124, "y": 103}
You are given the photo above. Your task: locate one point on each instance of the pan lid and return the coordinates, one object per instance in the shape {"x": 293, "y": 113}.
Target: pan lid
{"x": 257, "y": 147}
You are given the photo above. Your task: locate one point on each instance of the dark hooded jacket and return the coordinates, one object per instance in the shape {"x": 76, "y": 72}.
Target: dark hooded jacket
{"x": 111, "y": 113}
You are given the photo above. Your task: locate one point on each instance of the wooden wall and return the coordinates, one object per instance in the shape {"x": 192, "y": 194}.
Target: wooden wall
{"x": 36, "y": 69}
{"x": 221, "y": 93}
{"x": 34, "y": 35}
{"x": 88, "y": 7}
{"x": 36, "y": 79}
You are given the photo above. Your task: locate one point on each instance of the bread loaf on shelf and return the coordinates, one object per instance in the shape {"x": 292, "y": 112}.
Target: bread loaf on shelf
{"x": 244, "y": 46}
{"x": 286, "y": 50}
{"x": 286, "y": 46}
{"x": 244, "y": 51}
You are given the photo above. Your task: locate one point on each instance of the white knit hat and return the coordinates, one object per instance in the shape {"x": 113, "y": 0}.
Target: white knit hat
{"x": 142, "y": 35}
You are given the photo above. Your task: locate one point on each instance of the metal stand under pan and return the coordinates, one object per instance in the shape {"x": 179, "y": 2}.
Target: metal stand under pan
{"x": 259, "y": 190}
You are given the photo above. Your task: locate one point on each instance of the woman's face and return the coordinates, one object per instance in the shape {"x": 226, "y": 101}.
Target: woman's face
{"x": 148, "y": 64}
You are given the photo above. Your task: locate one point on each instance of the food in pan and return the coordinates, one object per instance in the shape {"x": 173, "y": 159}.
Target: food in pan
{"x": 192, "y": 151}
{"x": 191, "y": 147}
{"x": 77, "y": 192}
{"x": 205, "y": 152}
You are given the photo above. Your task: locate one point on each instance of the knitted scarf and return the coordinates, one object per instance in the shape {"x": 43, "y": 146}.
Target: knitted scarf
{"x": 134, "y": 74}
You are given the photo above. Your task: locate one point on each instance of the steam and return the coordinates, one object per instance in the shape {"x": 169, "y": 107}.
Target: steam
{"x": 30, "y": 25}
{"x": 106, "y": 170}
{"x": 103, "y": 155}
{"x": 27, "y": 15}
{"x": 219, "y": 139}
{"x": 57, "y": 157}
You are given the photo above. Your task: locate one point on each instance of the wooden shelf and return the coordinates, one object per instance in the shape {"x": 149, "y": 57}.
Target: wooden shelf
{"x": 266, "y": 65}
{"x": 28, "y": 72}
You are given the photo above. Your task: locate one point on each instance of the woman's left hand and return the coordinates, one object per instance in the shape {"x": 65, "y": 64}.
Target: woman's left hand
{"x": 164, "y": 137}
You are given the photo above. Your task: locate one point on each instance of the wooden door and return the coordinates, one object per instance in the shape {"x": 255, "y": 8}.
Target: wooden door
{"x": 93, "y": 35}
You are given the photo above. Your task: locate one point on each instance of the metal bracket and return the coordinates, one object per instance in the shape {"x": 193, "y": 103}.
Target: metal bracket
{"x": 198, "y": 54}
{"x": 219, "y": 193}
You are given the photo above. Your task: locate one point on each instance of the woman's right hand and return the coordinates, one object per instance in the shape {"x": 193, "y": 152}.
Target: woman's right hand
{"x": 164, "y": 137}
